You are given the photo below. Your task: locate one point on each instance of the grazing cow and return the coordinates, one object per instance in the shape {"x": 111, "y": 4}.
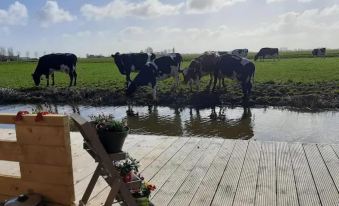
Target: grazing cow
{"x": 200, "y": 66}
{"x": 56, "y": 62}
{"x": 161, "y": 68}
{"x": 320, "y": 52}
{"x": 267, "y": 53}
{"x": 128, "y": 63}
{"x": 237, "y": 68}
{"x": 240, "y": 52}
{"x": 177, "y": 58}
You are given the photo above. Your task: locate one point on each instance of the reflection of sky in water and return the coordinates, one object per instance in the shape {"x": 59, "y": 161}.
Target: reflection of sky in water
{"x": 263, "y": 124}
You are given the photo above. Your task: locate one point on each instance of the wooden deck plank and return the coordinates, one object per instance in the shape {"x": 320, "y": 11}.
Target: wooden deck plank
{"x": 228, "y": 185}
{"x": 306, "y": 190}
{"x": 188, "y": 188}
{"x": 156, "y": 152}
{"x": 245, "y": 195}
{"x": 326, "y": 188}
{"x": 266, "y": 186}
{"x": 167, "y": 155}
{"x": 286, "y": 188}
{"x": 209, "y": 184}
{"x": 165, "y": 191}
{"x": 331, "y": 161}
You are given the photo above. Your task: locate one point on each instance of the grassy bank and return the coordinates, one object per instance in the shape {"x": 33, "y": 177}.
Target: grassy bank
{"x": 300, "y": 82}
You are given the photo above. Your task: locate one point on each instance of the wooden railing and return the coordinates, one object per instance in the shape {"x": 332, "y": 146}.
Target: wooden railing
{"x": 43, "y": 151}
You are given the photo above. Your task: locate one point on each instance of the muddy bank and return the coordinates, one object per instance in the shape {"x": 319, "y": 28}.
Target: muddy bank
{"x": 302, "y": 96}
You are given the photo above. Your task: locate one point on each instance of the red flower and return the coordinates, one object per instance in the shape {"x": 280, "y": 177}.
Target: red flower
{"x": 19, "y": 115}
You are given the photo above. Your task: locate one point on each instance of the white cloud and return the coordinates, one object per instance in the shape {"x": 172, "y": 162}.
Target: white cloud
{"x": 276, "y": 1}
{"x": 15, "y": 15}
{"x": 123, "y": 8}
{"x": 201, "y": 6}
{"x": 51, "y": 13}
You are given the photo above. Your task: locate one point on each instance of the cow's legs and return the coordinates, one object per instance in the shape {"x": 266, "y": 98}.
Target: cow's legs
{"x": 246, "y": 89}
{"x": 154, "y": 92}
{"x": 215, "y": 80}
{"x": 75, "y": 77}
{"x": 71, "y": 79}
{"x": 197, "y": 82}
{"x": 47, "y": 78}
{"x": 52, "y": 79}
{"x": 210, "y": 82}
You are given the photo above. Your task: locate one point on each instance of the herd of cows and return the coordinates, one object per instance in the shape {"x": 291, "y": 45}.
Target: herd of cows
{"x": 152, "y": 69}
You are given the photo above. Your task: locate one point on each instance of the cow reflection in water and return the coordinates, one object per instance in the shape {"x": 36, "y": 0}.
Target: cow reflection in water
{"x": 153, "y": 123}
{"x": 217, "y": 124}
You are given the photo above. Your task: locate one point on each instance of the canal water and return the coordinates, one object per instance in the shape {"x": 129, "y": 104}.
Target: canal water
{"x": 269, "y": 124}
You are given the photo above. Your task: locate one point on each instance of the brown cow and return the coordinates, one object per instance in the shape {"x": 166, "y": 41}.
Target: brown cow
{"x": 200, "y": 66}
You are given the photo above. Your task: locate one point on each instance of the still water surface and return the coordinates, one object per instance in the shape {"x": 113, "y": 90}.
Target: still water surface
{"x": 272, "y": 124}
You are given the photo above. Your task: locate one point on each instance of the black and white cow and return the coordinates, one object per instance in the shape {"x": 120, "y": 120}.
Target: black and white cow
{"x": 177, "y": 58}
{"x": 265, "y": 53}
{"x": 50, "y": 63}
{"x": 238, "y": 68}
{"x": 240, "y": 52}
{"x": 161, "y": 68}
{"x": 320, "y": 52}
{"x": 130, "y": 62}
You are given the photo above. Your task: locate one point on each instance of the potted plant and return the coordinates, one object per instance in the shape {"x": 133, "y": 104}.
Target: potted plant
{"x": 112, "y": 133}
{"x": 127, "y": 168}
{"x": 142, "y": 195}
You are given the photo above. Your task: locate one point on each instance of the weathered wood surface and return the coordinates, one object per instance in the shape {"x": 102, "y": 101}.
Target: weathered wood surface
{"x": 195, "y": 171}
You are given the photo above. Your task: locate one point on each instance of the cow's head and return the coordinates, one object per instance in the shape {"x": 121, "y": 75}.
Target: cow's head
{"x": 192, "y": 71}
{"x": 36, "y": 79}
{"x": 132, "y": 87}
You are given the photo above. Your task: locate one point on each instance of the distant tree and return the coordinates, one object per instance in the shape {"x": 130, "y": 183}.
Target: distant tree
{"x": 27, "y": 54}
{"x": 10, "y": 52}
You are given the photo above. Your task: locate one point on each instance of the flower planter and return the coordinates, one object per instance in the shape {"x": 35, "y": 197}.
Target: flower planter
{"x": 113, "y": 141}
{"x": 142, "y": 201}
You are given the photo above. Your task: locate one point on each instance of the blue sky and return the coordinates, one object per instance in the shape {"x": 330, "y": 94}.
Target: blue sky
{"x": 108, "y": 26}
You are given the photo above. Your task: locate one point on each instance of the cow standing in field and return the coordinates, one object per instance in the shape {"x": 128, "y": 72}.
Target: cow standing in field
{"x": 237, "y": 68}
{"x": 50, "y": 63}
{"x": 177, "y": 58}
{"x": 128, "y": 63}
{"x": 200, "y": 66}
{"x": 320, "y": 52}
{"x": 265, "y": 53}
{"x": 240, "y": 52}
{"x": 161, "y": 68}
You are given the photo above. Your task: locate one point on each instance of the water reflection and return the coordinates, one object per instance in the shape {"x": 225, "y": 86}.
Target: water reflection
{"x": 273, "y": 124}
{"x": 154, "y": 123}
{"x": 218, "y": 124}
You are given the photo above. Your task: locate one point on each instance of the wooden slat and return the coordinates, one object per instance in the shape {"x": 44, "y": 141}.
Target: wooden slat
{"x": 286, "y": 188}
{"x": 155, "y": 166}
{"x": 326, "y": 188}
{"x": 47, "y": 155}
{"x": 156, "y": 152}
{"x": 266, "y": 189}
{"x": 245, "y": 195}
{"x": 49, "y": 120}
{"x": 209, "y": 184}
{"x": 188, "y": 188}
{"x": 40, "y": 135}
{"x": 53, "y": 193}
{"x": 10, "y": 151}
{"x": 307, "y": 192}
{"x": 228, "y": 184}
{"x": 164, "y": 193}
{"x": 46, "y": 174}
{"x": 331, "y": 161}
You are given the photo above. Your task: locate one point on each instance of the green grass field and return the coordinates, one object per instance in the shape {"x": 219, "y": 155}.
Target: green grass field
{"x": 103, "y": 74}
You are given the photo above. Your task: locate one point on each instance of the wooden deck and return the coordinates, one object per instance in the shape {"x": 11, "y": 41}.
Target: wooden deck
{"x": 205, "y": 171}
